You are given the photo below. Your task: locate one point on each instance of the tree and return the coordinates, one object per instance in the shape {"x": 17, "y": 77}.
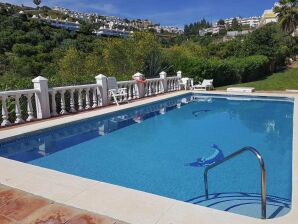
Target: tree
{"x": 221, "y": 22}
{"x": 287, "y": 13}
{"x": 235, "y": 25}
{"x": 37, "y": 3}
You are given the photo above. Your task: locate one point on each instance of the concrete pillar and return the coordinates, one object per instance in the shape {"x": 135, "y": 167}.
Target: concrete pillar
{"x": 102, "y": 80}
{"x": 141, "y": 86}
{"x": 42, "y": 97}
{"x": 163, "y": 75}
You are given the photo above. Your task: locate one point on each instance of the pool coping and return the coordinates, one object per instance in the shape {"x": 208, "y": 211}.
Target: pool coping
{"x": 122, "y": 203}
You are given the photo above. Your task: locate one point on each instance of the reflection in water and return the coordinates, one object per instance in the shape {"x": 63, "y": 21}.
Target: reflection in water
{"x": 39, "y": 145}
{"x": 197, "y": 112}
{"x": 207, "y": 161}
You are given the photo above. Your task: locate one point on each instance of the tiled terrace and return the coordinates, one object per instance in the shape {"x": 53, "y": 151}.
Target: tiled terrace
{"x": 19, "y": 207}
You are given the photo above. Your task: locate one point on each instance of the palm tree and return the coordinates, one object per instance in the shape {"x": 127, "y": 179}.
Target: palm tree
{"x": 287, "y": 13}
{"x": 37, "y": 3}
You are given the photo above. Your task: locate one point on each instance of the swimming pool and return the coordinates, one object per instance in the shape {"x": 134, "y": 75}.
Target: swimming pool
{"x": 163, "y": 148}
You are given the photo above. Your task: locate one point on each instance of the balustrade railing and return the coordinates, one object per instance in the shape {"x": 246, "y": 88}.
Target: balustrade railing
{"x": 17, "y": 106}
{"x": 153, "y": 87}
{"x": 132, "y": 90}
{"x": 27, "y": 105}
{"x": 72, "y": 99}
{"x": 173, "y": 84}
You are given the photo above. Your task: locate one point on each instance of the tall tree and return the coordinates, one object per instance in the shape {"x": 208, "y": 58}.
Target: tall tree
{"x": 37, "y": 3}
{"x": 221, "y": 22}
{"x": 287, "y": 12}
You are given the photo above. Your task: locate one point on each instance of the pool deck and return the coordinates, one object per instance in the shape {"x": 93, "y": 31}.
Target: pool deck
{"x": 18, "y": 207}
{"x": 122, "y": 203}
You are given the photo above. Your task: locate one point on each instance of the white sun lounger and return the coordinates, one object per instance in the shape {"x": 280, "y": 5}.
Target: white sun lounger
{"x": 207, "y": 84}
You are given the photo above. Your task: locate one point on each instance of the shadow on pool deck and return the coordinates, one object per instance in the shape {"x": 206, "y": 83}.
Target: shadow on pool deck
{"x": 18, "y": 207}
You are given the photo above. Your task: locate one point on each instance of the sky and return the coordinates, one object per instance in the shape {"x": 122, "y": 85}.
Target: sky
{"x": 166, "y": 12}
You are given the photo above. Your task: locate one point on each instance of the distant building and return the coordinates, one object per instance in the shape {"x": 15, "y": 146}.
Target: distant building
{"x": 252, "y": 22}
{"x": 105, "y": 32}
{"x": 215, "y": 29}
{"x": 268, "y": 17}
{"x": 62, "y": 24}
{"x": 234, "y": 34}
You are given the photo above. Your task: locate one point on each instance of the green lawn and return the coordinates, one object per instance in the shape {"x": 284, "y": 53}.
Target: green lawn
{"x": 287, "y": 79}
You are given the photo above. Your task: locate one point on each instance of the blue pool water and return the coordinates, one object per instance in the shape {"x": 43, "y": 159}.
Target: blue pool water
{"x": 163, "y": 148}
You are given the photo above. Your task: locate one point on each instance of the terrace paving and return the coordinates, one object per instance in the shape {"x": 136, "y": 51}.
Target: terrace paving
{"x": 19, "y": 207}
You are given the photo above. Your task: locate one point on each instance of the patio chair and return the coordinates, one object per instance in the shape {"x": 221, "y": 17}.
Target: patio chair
{"x": 186, "y": 83}
{"x": 118, "y": 94}
{"x": 207, "y": 84}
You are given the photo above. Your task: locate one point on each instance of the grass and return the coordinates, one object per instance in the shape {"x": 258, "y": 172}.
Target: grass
{"x": 287, "y": 79}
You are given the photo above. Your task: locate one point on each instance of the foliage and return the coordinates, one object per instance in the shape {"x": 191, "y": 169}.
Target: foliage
{"x": 287, "y": 12}
{"x": 37, "y": 2}
{"x": 193, "y": 28}
{"x": 250, "y": 68}
{"x": 29, "y": 48}
{"x": 271, "y": 42}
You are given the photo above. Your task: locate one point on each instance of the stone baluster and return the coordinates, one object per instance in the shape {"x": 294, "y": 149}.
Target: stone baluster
{"x": 29, "y": 107}
{"x": 146, "y": 89}
{"x": 5, "y": 121}
{"x": 63, "y": 110}
{"x": 18, "y": 111}
{"x": 149, "y": 88}
{"x": 130, "y": 92}
{"x": 87, "y": 99}
{"x": 80, "y": 100}
{"x": 54, "y": 105}
{"x": 94, "y": 98}
{"x": 157, "y": 87}
{"x": 72, "y": 101}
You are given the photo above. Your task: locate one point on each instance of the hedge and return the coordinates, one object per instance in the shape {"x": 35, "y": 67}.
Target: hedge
{"x": 230, "y": 71}
{"x": 250, "y": 68}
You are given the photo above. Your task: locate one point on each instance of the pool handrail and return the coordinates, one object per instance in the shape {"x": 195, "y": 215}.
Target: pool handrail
{"x": 263, "y": 174}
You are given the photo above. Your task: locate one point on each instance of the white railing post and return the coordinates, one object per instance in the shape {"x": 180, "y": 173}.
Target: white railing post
{"x": 42, "y": 97}
{"x": 103, "y": 82}
{"x": 163, "y": 75}
{"x": 179, "y": 75}
{"x": 141, "y": 86}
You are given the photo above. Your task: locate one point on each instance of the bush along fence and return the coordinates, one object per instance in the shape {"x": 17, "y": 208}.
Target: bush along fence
{"x": 21, "y": 106}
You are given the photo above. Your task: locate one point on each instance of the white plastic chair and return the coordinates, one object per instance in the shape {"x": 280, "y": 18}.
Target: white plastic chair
{"x": 118, "y": 94}
{"x": 186, "y": 83}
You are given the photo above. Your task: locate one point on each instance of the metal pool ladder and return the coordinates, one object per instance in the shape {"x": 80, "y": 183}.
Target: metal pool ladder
{"x": 263, "y": 174}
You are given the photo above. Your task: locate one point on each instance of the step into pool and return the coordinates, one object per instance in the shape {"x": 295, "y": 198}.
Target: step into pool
{"x": 164, "y": 147}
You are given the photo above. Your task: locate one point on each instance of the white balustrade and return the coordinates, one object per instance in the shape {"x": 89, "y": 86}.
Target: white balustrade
{"x": 173, "y": 84}
{"x": 154, "y": 87}
{"x": 13, "y": 97}
{"x": 132, "y": 89}
{"x": 83, "y": 93}
{"x": 72, "y": 99}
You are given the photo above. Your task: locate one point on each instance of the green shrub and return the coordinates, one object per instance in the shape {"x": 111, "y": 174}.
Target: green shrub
{"x": 250, "y": 68}
{"x": 225, "y": 72}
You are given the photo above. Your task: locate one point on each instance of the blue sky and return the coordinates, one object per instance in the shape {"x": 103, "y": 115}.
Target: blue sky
{"x": 166, "y": 12}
